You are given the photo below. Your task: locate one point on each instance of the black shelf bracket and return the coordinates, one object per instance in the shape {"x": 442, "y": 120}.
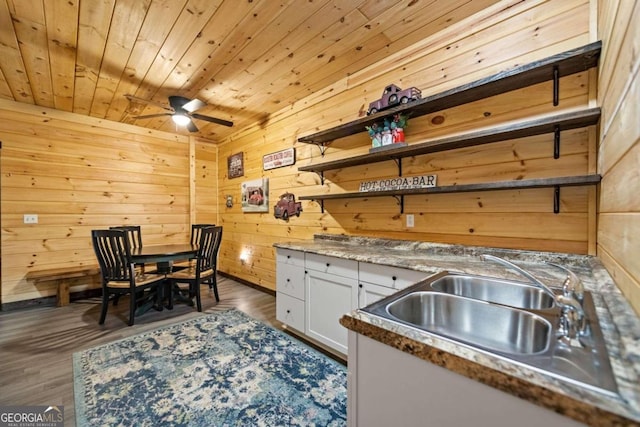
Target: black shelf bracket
{"x": 322, "y": 147}
{"x": 399, "y": 163}
{"x": 321, "y": 206}
{"x": 400, "y": 199}
{"x": 556, "y": 142}
{"x": 556, "y": 86}
{"x": 556, "y": 199}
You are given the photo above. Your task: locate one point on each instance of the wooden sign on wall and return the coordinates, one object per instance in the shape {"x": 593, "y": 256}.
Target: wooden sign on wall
{"x": 235, "y": 165}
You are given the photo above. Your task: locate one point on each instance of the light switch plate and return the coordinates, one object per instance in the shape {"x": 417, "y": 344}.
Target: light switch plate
{"x": 30, "y": 218}
{"x": 410, "y": 220}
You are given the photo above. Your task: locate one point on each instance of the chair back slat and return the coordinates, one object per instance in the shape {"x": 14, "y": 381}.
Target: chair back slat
{"x": 208, "y": 247}
{"x": 113, "y": 252}
{"x": 195, "y": 232}
{"x": 134, "y": 234}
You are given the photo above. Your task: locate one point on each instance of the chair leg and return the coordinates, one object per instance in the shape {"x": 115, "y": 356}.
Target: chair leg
{"x": 213, "y": 284}
{"x": 105, "y": 306}
{"x": 197, "y": 292}
{"x": 132, "y": 307}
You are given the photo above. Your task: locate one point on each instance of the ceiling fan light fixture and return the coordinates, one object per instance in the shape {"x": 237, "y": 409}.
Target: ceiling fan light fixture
{"x": 180, "y": 119}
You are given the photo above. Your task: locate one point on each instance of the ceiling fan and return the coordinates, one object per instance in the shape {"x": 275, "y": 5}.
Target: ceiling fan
{"x": 182, "y": 111}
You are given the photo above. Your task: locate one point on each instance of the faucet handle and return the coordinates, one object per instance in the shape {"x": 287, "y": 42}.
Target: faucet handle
{"x": 573, "y": 322}
{"x": 572, "y": 285}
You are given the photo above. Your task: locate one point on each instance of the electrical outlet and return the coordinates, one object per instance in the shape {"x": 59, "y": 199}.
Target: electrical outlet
{"x": 30, "y": 218}
{"x": 410, "y": 222}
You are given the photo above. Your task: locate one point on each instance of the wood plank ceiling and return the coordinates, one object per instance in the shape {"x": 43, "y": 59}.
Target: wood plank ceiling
{"x": 245, "y": 58}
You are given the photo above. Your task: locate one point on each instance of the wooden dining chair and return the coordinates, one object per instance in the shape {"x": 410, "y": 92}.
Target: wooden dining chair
{"x": 195, "y": 240}
{"x": 203, "y": 270}
{"x": 113, "y": 250}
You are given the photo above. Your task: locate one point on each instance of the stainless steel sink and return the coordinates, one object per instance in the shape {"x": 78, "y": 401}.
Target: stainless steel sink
{"x": 490, "y": 326}
{"x": 500, "y": 291}
{"x": 516, "y": 324}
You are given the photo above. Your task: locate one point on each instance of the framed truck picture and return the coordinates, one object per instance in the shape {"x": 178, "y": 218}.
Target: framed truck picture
{"x": 255, "y": 195}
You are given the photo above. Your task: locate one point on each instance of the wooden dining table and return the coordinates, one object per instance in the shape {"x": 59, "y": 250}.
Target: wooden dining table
{"x": 163, "y": 255}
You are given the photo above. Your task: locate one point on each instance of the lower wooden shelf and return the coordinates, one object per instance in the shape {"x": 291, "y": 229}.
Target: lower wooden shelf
{"x": 557, "y": 182}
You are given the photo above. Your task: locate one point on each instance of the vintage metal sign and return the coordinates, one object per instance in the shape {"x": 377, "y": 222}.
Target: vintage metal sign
{"x": 279, "y": 159}
{"x": 399, "y": 183}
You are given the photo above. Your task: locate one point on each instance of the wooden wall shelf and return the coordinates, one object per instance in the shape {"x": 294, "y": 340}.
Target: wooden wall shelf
{"x": 567, "y": 181}
{"x": 551, "y": 68}
{"x": 557, "y": 123}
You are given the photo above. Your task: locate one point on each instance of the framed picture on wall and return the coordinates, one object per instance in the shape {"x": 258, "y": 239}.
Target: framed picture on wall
{"x": 255, "y": 195}
{"x": 235, "y": 165}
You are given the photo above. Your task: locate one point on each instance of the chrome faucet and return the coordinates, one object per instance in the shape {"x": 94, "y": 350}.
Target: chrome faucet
{"x": 522, "y": 271}
{"x": 573, "y": 322}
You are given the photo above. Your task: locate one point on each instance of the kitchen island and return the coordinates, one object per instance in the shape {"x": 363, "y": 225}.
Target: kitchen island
{"x": 619, "y": 323}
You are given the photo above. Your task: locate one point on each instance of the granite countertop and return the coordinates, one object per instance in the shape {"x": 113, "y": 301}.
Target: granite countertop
{"x": 619, "y": 323}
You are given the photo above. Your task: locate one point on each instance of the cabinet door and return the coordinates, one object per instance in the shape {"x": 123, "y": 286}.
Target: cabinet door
{"x": 369, "y": 293}
{"x": 328, "y": 298}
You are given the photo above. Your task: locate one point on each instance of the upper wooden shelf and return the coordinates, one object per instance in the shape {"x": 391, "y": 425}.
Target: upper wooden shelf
{"x": 549, "y": 124}
{"x": 551, "y": 68}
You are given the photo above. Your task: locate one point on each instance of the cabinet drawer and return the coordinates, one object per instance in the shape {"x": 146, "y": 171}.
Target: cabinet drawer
{"x": 289, "y": 257}
{"x": 332, "y": 265}
{"x": 391, "y": 277}
{"x": 290, "y": 311}
{"x": 290, "y": 280}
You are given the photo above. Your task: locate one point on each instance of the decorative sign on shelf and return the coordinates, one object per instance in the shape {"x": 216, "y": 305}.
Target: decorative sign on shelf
{"x": 235, "y": 165}
{"x": 400, "y": 183}
{"x": 279, "y": 159}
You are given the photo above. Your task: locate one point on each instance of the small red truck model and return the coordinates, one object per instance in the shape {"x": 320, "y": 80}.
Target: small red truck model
{"x": 392, "y": 96}
{"x": 287, "y": 206}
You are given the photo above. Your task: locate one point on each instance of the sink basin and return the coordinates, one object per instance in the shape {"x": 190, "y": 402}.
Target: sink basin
{"x": 508, "y": 319}
{"x": 490, "y": 326}
{"x": 499, "y": 291}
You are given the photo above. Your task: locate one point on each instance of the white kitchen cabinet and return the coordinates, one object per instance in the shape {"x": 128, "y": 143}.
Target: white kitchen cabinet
{"x": 376, "y": 281}
{"x": 290, "y": 288}
{"x": 369, "y": 293}
{"x": 331, "y": 291}
{"x": 388, "y": 387}
{"x": 314, "y": 291}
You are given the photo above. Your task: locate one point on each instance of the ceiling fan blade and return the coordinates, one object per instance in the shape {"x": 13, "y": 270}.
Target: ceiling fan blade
{"x": 212, "y": 119}
{"x": 191, "y": 127}
{"x": 149, "y": 116}
{"x": 147, "y": 101}
{"x": 178, "y": 102}
{"x": 193, "y": 105}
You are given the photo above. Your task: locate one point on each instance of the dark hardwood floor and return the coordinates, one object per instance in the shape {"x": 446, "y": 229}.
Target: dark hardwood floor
{"x": 36, "y": 345}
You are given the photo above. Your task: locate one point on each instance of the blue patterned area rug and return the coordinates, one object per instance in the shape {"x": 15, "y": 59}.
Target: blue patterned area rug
{"x": 222, "y": 369}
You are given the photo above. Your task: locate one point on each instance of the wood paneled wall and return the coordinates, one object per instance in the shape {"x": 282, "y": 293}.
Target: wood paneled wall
{"x": 619, "y": 149}
{"x": 511, "y": 33}
{"x": 79, "y": 173}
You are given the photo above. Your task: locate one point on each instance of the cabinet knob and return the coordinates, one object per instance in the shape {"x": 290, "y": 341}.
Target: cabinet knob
{"x": 360, "y": 285}
{"x": 328, "y": 264}
{"x": 288, "y": 311}
{"x": 288, "y": 280}
{"x": 393, "y": 278}
{"x": 288, "y": 256}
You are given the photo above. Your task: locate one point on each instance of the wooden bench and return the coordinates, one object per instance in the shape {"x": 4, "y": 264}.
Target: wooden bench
{"x": 62, "y": 277}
